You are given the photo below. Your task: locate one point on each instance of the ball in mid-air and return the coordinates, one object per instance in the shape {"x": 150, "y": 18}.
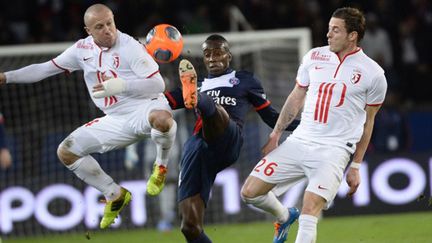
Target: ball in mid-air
{"x": 164, "y": 43}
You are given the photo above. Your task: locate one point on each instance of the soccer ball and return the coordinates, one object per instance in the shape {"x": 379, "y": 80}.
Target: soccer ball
{"x": 164, "y": 43}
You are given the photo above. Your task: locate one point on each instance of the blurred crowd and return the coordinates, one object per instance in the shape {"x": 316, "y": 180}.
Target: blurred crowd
{"x": 398, "y": 36}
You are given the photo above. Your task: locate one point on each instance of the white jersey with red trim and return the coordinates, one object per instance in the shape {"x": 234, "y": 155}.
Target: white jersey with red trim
{"x": 127, "y": 59}
{"x": 338, "y": 92}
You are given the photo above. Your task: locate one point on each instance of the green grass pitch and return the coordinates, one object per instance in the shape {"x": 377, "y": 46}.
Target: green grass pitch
{"x": 397, "y": 228}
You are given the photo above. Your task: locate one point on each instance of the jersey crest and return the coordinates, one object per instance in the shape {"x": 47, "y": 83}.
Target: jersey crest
{"x": 355, "y": 77}
{"x": 234, "y": 81}
{"x": 116, "y": 60}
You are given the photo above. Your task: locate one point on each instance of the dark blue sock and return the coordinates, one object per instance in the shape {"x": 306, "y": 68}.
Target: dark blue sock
{"x": 202, "y": 238}
{"x": 206, "y": 105}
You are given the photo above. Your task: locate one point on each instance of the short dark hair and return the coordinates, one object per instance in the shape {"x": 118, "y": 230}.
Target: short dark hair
{"x": 216, "y": 37}
{"x": 354, "y": 20}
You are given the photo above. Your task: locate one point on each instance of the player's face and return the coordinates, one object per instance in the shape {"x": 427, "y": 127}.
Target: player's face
{"x": 102, "y": 27}
{"x": 216, "y": 57}
{"x": 337, "y": 35}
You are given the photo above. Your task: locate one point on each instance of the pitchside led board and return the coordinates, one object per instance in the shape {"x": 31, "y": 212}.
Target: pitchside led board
{"x": 390, "y": 184}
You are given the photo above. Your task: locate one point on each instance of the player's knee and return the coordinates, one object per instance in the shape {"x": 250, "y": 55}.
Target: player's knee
{"x": 310, "y": 209}
{"x": 249, "y": 196}
{"x": 190, "y": 229}
{"x": 65, "y": 156}
{"x": 161, "y": 120}
{"x": 252, "y": 200}
{"x": 312, "y": 204}
{"x": 247, "y": 192}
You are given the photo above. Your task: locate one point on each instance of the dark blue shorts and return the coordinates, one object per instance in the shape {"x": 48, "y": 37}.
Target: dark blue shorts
{"x": 201, "y": 161}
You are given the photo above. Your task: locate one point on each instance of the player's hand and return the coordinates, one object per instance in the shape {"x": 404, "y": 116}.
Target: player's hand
{"x": 5, "y": 159}
{"x": 108, "y": 88}
{"x": 271, "y": 144}
{"x": 2, "y": 79}
{"x": 353, "y": 180}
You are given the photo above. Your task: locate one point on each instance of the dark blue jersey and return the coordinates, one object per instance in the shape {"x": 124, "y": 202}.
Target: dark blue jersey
{"x": 238, "y": 92}
{"x": 201, "y": 160}
{"x": 2, "y": 133}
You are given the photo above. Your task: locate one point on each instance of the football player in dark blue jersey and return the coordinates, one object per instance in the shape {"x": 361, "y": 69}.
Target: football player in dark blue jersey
{"x": 5, "y": 156}
{"x": 220, "y": 102}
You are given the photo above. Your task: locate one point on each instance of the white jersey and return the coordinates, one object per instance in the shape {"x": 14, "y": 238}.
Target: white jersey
{"x": 338, "y": 92}
{"x": 127, "y": 59}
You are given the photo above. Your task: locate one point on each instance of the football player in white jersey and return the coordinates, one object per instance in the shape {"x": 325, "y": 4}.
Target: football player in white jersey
{"x": 340, "y": 90}
{"x": 124, "y": 82}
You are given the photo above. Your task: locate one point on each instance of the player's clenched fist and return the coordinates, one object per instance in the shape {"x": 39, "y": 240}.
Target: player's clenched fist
{"x": 2, "y": 78}
{"x": 108, "y": 88}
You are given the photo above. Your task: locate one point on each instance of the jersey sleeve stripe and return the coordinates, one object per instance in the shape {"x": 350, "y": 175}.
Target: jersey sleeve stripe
{"x": 151, "y": 75}
{"x": 303, "y": 86}
{"x": 198, "y": 126}
{"x": 171, "y": 99}
{"x": 378, "y": 104}
{"x": 267, "y": 103}
{"x": 64, "y": 69}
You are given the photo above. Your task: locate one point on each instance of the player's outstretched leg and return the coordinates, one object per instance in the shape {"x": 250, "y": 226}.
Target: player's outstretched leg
{"x": 113, "y": 208}
{"x": 188, "y": 78}
{"x": 281, "y": 230}
{"x": 156, "y": 181}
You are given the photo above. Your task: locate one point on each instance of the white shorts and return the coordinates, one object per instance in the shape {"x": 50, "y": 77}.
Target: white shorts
{"x": 323, "y": 166}
{"x": 114, "y": 131}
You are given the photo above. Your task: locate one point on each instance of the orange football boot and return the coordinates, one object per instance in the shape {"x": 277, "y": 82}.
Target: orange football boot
{"x": 188, "y": 78}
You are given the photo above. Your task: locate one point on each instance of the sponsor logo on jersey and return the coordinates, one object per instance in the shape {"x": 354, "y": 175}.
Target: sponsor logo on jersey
{"x": 322, "y": 188}
{"x": 222, "y": 100}
{"x": 316, "y": 55}
{"x": 82, "y": 45}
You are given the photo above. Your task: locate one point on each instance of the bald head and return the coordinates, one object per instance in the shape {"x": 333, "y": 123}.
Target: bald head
{"x": 99, "y": 23}
{"x": 94, "y": 10}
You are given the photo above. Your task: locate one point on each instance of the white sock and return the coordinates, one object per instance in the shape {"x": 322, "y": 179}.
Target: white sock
{"x": 163, "y": 141}
{"x": 89, "y": 170}
{"x": 307, "y": 229}
{"x": 271, "y": 204}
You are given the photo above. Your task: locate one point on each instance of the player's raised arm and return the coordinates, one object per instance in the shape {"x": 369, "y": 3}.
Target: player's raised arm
{"x": 30, "y": 74}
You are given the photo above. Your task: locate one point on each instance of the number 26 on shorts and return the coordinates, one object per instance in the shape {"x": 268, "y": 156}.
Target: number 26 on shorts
{"x": 266, "y": 167}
